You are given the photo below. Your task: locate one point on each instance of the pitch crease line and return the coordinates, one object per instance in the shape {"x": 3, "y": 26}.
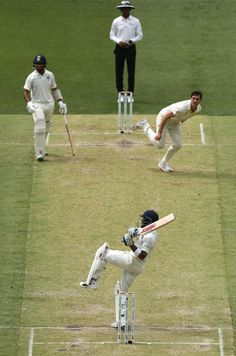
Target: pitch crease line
{"x": 31, "y": 342}
{"x": 187, "y": 328}
{"x": 221, "y": 341}
{"x": 132, "y": 144}
{"x": 115, "y": 342}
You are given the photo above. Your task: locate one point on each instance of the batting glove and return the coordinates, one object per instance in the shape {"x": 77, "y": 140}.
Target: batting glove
{"x": 133, "y": 231}
{"x": 31, "y": 107}
{"x": 62, "y": 107}
{"x": 127, "y": 240}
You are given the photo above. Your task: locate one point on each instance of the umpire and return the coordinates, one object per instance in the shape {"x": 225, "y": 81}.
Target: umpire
{"x": 125, "y": 31}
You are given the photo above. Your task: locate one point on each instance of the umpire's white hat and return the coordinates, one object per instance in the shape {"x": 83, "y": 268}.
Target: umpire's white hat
{"x": 125, "y": 4}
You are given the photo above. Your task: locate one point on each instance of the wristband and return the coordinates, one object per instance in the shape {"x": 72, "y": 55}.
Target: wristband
{"x": 56, "y": 93}
{"x": 137, "y": 252}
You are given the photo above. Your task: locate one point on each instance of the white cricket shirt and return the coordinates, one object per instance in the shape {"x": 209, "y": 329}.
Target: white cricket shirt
{"x": 41, "y": 86}
{"x": 181, "y": 110}
{"x": 126, "y": 29}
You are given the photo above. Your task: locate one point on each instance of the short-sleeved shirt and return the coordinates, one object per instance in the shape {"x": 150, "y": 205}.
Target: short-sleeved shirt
{"x": 147, "y": 243}
{"x": 181, "y": 110}
{"x": 41, "y": 86}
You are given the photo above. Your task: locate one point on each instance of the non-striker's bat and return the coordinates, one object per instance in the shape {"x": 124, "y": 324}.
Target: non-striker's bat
{"x": 69, "y": 136}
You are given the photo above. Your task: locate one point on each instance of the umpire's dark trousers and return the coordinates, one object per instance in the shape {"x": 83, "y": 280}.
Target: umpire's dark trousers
{"x": 122, "y": 55}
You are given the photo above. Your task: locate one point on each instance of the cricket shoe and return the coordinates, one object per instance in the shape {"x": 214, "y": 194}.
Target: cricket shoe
{"x": 91, "y": 285}
{"x": 143, "y": 124}
{"x": 165, "y": 167}
{"x": 115, "y": 325}
{"x": 40, "y": 158}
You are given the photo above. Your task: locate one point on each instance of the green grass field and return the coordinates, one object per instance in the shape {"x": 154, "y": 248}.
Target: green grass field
{"x": 187, "y": 45}
{"x": 56, "y": 214}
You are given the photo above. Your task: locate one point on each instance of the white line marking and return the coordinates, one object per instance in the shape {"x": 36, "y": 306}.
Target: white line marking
{"x": 84, "y": 133}
{"x": 175, "y": 343}
{"x": 221, "y": 341}
{"x": 203, "y": 141}
{"x": 47, "y": 138}
{"x": 187, "y": 328}
{"x": 31, "y": 342}
{"x": 117, "y": 143}
{"x": 115, "y": 342}
{"x": 203, "y": 328}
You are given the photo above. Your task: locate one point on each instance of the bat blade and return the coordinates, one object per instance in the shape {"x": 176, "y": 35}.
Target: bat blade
{"x": 69, "y": 136}
{"x": 157, "y": 224}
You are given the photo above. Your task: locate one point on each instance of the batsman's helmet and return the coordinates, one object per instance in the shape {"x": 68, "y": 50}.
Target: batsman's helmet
{"x": 148, "y": 217}
{"x": 40, "y": 59}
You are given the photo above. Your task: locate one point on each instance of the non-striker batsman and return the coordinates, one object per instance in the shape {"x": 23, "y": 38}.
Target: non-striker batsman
{"x": 40, "y": 91}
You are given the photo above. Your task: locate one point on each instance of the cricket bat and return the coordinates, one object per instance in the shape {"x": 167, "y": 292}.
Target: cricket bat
{"x": 69, "y": 136}
{"x": 157, "y": 224}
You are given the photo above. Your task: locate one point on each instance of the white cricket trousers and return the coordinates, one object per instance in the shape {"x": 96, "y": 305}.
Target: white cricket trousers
{"x": 175, "y": 132}
{"x": 42, "y": 121}
{"x": 132, "y": 266}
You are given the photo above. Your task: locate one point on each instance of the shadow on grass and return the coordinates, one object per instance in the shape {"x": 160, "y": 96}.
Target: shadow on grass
{"x": 197, "y": 174}
{"x": 53, "y": 158}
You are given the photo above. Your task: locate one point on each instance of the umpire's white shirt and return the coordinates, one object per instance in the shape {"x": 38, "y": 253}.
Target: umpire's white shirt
{"x": 181, "y": 110}
{"x": 41, "y": 86}
{"x": 126, "y": 29}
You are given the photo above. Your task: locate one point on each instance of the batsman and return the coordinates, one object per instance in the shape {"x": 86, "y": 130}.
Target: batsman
{"x": 132, "y": 262}
{"x": 40, "y": 91}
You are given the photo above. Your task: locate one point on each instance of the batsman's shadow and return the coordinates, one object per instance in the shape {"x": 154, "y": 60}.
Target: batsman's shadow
{"x": 198, "y": 174}
{"x": 56, "y": 158}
